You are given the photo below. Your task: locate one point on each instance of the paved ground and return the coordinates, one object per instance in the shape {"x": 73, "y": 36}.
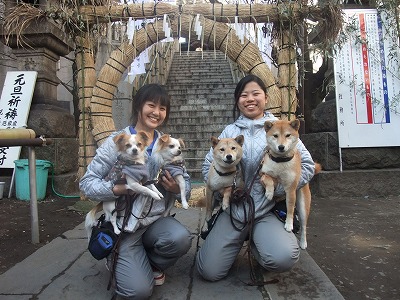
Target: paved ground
{"x": 353, "y": 244}
{"x": 356, "y": 242}
{"x": 64, "y": 269}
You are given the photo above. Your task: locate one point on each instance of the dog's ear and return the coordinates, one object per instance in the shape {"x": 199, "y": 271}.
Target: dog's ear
{"x": 144, "y": 136}
{"x": 295, "y": 124}
{"x": 164, "y": 138}
{"x": 181, "y": 143}
{"x": 214, "y": 141}
{"x": 268, "y": 125}
{"x": 118, "y": 138}
{"x": 240, "y": 140}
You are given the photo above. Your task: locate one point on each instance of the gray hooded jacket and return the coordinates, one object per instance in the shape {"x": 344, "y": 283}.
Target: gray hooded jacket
{"x": 95, "y": 187}
{"x": 253, "y": 151}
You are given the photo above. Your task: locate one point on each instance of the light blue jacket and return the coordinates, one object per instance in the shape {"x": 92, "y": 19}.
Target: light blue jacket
{"x": 95, "y": 187}
{"x": 253, "y": 151}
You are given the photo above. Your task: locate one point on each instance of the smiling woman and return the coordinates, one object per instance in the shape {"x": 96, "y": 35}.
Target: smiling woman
{"x": 155, "y": 239}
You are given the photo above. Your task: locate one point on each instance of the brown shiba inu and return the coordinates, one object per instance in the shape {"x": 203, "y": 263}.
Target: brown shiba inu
{"x": 282, "y": 164}
{"x": 224, "y": 172}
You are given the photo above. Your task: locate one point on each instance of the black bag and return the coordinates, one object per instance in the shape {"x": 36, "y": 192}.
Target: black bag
{"x": 280, "y": 211}
{"x": 103, "y": 239}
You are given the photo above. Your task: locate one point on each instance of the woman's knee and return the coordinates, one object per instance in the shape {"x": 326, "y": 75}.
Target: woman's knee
{"x": 208, "y": 274}
{"x": 133, "y": 289}
{"x": 176, "y": 242}
{"x": 207, "y": 271}
{"x": 281, "y": 261}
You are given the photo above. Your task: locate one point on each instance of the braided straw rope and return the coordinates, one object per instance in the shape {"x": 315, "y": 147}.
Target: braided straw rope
{"x": 246, "y": 56}
{"x": 86, "y": 78}
{"x": 110, "y": 75}
{"x": 218, "y": 12}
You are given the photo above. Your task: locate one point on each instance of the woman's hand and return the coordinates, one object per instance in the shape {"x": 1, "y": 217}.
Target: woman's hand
{"x": 169, "y": 183}
{"x": 120, "y": 189}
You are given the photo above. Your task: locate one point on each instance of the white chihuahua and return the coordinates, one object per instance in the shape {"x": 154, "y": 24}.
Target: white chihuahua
{"x": 131, "y": 163}
{"x": 168, "y": 153}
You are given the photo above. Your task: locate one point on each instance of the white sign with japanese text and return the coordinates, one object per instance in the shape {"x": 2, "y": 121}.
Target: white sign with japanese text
{"x": 367, "y": 82}
{"x": 15, "y": 103}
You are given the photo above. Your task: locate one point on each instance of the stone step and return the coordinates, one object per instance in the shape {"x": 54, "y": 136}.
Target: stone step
{"x": 202, "y": 136}
{"x": 357, "y": 183}
{"x": 184, "y": 129}
{"x": 197, "y": 88}
{"x": 213, "y": 63}
{"x": 200, "y": 120}
{"x": 211, "y": 94}
{"x": 199, "y": 68}
{"x": 191, "y": 67}
{"x": 203, "y": 72}
{"x": 200, "y": 113}
{"x": 204, "y": 107}
{"x": 354, "y": 183}
{"x": 201, "y": 90}
{"x": 179, "y": 102}
{"x": 195, "y": 175}
{"x": 199, "y": 58}
{"x": 193, "y": 163}
{"x": 205, "y": 57}
{"x": 195, "y": 143}
{"x": 196, "y": 153}
{"x": 189, "y": 80}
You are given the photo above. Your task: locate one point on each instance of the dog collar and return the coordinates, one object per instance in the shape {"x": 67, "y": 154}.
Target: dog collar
{"x": 280, "y": 159}
{"x": 223, "y": 174}
{"x": 178, "y": 162}
{"x": 126, "y": 162}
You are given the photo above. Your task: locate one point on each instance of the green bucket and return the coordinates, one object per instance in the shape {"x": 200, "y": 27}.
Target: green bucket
{"x": 22, "y": 191}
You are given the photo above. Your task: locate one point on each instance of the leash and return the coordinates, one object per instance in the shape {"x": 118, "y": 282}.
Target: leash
{"x": 250, "y": 222}
{"x": 243, "y": 197}
{"x": 128, "y": 205}
{"x": 115, "y": 253}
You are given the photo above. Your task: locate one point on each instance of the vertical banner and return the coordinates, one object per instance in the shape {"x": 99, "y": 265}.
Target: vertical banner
{"x": 367, "y": 81}
{"x": 15, "y": 103}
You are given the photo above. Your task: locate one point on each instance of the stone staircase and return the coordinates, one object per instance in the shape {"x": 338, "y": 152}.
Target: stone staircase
{"x": 201, "y": 91}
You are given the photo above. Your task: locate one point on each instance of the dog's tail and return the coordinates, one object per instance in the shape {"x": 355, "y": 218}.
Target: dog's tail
{"x": 90, "y": 220}
{"x": 318, "y": 168}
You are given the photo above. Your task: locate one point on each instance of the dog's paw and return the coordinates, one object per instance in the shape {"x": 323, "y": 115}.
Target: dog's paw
{"x": 205, "y": 227}
{"x": 303, "y": 244}
{"x": 185, "y": 205}
{"x": 154, "y": 195}
{"x": 289, "y": 224}
{"x": 224, "y": 206}
{"x": 269, "y": 194}
{"x": 117, "y": 231}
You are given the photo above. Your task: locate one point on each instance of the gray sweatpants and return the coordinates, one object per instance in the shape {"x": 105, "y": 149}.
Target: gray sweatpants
{"x": 273, "y": 247}
{"x": 160, "y": 245}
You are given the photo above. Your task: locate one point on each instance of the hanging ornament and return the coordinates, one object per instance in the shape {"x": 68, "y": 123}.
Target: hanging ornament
{"x": 197, "y": 26}
{"x": 130, "y": 29}
{"x": 265, "y": 30}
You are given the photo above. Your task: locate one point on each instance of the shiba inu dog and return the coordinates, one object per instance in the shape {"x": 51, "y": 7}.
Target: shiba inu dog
{"x": 282, "y": 164}
{"x": 131, "y": 163}
{"x": 168, "y": 153}
{"x": 224, "y": 172}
